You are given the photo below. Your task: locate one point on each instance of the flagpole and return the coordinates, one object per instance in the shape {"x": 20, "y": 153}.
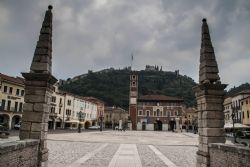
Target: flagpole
{"x": 132, "y": 58}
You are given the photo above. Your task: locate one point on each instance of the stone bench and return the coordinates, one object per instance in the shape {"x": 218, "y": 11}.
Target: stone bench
{"x": 4, "y": 134}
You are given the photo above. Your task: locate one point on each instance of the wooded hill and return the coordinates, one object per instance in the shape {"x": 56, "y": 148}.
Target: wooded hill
{"x": 112, "y": 85}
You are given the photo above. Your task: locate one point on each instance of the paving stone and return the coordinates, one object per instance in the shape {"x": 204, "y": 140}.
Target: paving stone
{"x": 183, "y": 156}
{"x": 102, "y": 158}
{"x": 148, "y": 157}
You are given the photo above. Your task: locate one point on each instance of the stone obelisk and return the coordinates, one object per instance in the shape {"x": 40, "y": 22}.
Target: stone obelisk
{"x": 209, "y": 95}
{"x": 38, "y": 89}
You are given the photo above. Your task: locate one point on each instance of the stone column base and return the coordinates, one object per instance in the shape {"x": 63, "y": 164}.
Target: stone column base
{"x": 202, "y": 159}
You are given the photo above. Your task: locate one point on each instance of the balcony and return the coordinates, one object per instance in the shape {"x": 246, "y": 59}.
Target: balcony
{"x": 53, "y": 114}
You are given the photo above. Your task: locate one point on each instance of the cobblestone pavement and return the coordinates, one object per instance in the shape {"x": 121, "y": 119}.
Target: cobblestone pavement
{"x": 68, "y": 148}
{"x": 102, "y": 158}
{"x": 101, "y": 149}
{"x": 62, "y": 153}
{"x": 184, "y": 156}
{"x": 148, "y": 157}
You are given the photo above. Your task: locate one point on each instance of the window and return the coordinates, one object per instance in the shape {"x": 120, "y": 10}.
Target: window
{"x": 16, "y": 105}
{"x": 133, "y": 83}
{"x": 60, "y": 109}
{"x": 5, "y": 89}
{"x": 140, "y": 112}
{"x": 165, "y": 113}
{"x": 69, "y": 102}
{"x": 147, "y": 113}
{"x": 60, "y": 100}
{"x": 247, "y": 114}
{"x": 68, "y": 112}
{"x": 242, "y": 103}
{"x": 158, "y": 112}
{"x": 243, "y": 115}
{"x": 246, "y": 102}
{"x": 22, "y": 93}
{"x": 10, "y": 90}
{"x": 3, "y": 104}
{"x": 53, "y": 99}
{"x": 52, "y": 109}
{"x": 17, "y": 92}
{"x": 8, "y": 105}
{"x": 20, "y": 107}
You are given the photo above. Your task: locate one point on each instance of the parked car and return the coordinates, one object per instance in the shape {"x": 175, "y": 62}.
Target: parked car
{"x": 94, "y": 127}
{"x": 17, "y": 126}
{"x": 246, "y": 134}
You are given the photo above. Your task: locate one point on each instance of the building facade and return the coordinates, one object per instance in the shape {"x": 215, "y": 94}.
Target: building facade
{"x": 114, "y": 115}
{"x": 158, "y": 112}
{"x": 64, "y": 107}
{"x": 236, "y": 107}
{"x": 228, "y": 110}
{"x": 245, "y": 109}
{"x": 189, "y": 118}
{"x": 152, "y": 112}
{"x": 100, "y": 108}
{"x": 11, "y": 100}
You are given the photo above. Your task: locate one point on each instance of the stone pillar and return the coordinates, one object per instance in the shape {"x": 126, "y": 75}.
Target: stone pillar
{"x": 38, "y": 91}
{"x": 54, "y": 125}
{"x": 177, "y": 120}
{"x": 10, "y": 121}
{"x": 209, "y": 95}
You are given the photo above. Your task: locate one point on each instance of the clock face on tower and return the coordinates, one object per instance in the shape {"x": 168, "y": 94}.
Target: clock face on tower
{"x": 132, "y": 100}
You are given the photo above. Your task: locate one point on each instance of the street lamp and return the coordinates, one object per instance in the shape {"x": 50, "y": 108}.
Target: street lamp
{"x": 234, "y": 111}
{"x": 101, "y": 119}
{"x": 81, "y": 117}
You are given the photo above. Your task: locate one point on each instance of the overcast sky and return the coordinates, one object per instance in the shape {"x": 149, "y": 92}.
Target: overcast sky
{"x": 98, "y": 34}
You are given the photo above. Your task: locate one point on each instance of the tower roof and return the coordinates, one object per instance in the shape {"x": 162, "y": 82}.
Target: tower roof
{"x": 208, "y": 65}
{"x": 41, "y": 62}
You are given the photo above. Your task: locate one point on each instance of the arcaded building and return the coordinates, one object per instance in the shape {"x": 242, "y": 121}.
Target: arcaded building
{"x": 153, "y": 112}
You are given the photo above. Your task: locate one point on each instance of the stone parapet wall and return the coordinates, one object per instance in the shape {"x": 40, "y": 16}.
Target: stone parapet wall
{"x": 228, "y": 155}
{"x": 19, "y": 153}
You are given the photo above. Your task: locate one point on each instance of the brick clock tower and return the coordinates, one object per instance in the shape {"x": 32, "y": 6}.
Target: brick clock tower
{"x": 133, "y": 95}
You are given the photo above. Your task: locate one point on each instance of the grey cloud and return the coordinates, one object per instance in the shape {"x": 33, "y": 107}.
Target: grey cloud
{"x": 96, "y": 34}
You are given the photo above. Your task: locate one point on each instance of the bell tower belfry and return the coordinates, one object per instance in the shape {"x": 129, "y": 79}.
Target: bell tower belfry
{"x": 133, "y": 95}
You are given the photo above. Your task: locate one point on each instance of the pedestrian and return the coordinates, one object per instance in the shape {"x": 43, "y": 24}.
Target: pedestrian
{"x": 124, "y": 127}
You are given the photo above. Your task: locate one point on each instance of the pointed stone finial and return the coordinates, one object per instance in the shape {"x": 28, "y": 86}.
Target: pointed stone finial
{"x": 41, "y": 62}
{"x": 50, "y": 7}
{"x": 208, "y": 72}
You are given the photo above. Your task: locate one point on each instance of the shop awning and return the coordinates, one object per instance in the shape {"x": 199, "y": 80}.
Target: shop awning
{"x": 236, "y": 125}
{"x": 72, "y": 121}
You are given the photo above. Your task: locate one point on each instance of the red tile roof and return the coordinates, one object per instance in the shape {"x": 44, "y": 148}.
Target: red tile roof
{"x": 17, "y": 80}
{"x": 245, "y": 92}
{"x": 159, "y": 98}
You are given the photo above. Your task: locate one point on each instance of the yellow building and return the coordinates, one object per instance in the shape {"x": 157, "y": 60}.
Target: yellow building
{"x": 11, "y": 100}
{"x": 245, "y": 108}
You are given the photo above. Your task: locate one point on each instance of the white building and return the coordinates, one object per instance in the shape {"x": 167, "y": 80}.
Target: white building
{"x": 236, "y": 104}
